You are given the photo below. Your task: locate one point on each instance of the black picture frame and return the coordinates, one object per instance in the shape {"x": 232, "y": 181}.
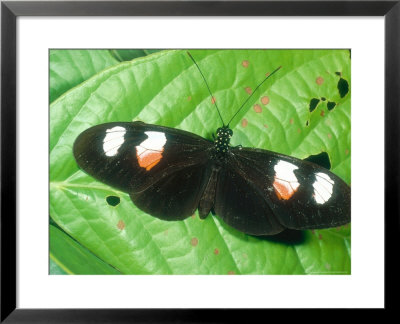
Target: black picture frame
{"x": 11, "y": 10}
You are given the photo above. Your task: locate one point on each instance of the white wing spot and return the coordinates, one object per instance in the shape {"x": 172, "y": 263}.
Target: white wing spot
{"x": 155, "y": 142}
{"x": 149, "y": 152}
{"x": 323, "y": 187}
{"x": 113, "y": 140}
{"x": 285, "y": 183}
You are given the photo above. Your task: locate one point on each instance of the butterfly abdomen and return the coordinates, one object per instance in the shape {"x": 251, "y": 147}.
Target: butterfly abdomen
{"x": 207, "y": 200}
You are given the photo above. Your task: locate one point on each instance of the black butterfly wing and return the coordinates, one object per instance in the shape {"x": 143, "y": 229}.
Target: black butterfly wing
{"x": 156, "y": 165}
{"x": 176, "y": 196}
{"x": 292, "y": 193}
{"x": 239, "y": 203}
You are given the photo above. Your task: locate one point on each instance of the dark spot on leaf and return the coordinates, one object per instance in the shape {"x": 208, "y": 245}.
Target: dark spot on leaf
{"x": 245, "y": 63}
{"x": 113, "y": 200}
{"x": 329, "y": 135}
{"x": 213, "y": 100}
{"x": 216, "y": 251}
{"x": 313, "y": 104}
{"x": 257, "y": 108}
{"x": 244, "y": 122}
{"x": 231, "y": 272}
{"x": 265, "y": 125}
{"x": 322, "y": 159}
{"x": 346, "y": 152}
{"x": 320, "y": 236}
{"x": 331, "y": 105}
{"x": 343, "y": 87}
{"x": 194, "y": 241}
{"x": 291, "y": 121}
{"x": 322, "y": 113}
{"x": 298, "y": 130}
{"x": 319, "y": 80}
{"x": 307, "y": 123}
{"x": 189, "y": 98}
{"x": 265, "y": 100}
{"x": 121, "y": 224}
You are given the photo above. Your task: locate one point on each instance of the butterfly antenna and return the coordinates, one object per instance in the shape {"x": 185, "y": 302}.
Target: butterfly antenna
{"x": 212, "y": 97}
{"x": 268, "y": 76}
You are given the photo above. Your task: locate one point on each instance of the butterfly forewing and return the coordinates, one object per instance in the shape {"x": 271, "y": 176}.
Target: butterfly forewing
{"x": 133, "y": 156}
{"x": 300, "y": 194}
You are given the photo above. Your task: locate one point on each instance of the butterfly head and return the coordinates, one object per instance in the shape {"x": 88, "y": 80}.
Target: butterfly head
{"x": 222, "y": 139}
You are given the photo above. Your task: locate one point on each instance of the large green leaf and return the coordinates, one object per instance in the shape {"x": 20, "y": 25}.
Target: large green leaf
{"x": 166, "y": 89}
{"x": 68, "y": 68}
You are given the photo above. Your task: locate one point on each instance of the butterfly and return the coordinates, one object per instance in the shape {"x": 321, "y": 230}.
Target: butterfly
{"x": 170, "y": 173}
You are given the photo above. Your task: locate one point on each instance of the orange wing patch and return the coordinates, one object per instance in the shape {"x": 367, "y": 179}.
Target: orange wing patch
{"x": 284, "y": 189}
{"x": 149, "y": 152}
{"x": 285, "y": 180}
{"x": 148, "y": 158}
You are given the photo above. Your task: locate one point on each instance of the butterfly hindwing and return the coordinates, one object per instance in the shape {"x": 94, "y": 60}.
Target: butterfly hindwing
{"x": 176, "y": 196}
{"x": 242, "y": 206}
{"x": 300, "y": 194}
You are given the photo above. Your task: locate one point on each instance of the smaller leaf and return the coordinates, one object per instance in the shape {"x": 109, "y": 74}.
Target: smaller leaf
{"x": 69, "y": 257}
{"x": 55, "y": 269}
{"x": 130, "y": 54}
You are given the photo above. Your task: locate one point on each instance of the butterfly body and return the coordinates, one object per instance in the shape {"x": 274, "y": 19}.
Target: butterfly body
{"x": 170, "y": 173}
